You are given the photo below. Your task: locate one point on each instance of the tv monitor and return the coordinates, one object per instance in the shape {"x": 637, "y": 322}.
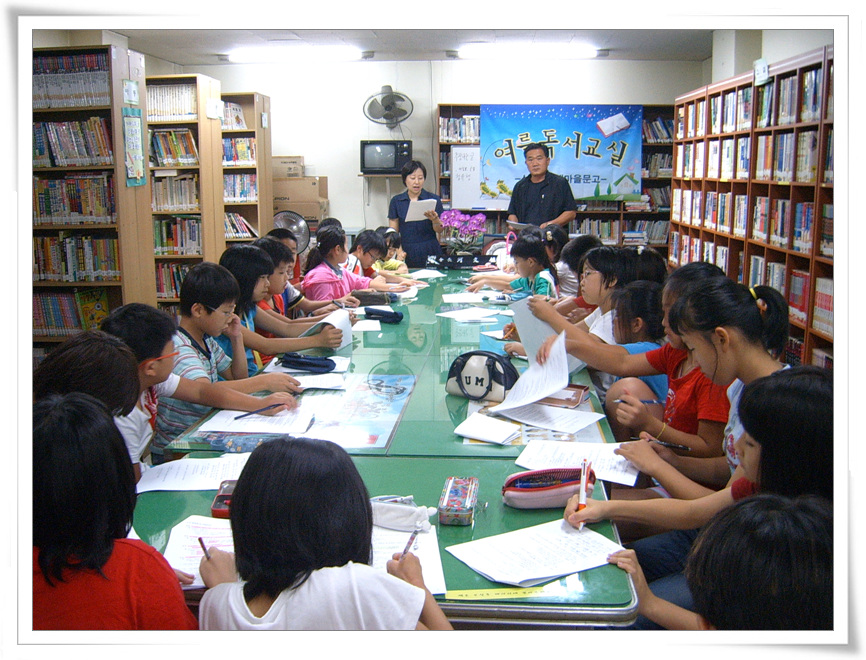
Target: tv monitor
{"x": 384, "y": 156}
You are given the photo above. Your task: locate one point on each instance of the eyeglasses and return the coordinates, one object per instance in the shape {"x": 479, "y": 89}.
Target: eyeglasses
{"x": 161, "y": 357}
{"x": 587, "y": 272}
{"x": 226, "y": 313}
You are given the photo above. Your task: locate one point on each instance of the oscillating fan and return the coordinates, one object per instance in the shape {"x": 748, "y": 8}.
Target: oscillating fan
{"x": 388, "y": 107}
{"x": 296, "y": 224}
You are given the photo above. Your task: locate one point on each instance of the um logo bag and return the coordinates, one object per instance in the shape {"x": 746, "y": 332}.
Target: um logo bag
{"x": 481, "y": 375}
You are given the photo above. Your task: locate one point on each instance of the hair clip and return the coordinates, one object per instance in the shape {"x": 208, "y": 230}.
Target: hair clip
{"x": 549, "y": 235}
{"x": 752, "y": 291}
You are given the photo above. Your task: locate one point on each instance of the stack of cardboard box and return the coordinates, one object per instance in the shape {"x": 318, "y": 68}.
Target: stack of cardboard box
{"x": 305, "y": 195}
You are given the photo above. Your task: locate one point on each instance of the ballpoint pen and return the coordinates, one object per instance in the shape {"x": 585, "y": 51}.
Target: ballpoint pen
{"x": 581, "y": 501}
{"x": 204, "y": 548}
{"x": 409, "y": 543}
{"x": 260, "y": 410}
{"x": 647, "y": 401}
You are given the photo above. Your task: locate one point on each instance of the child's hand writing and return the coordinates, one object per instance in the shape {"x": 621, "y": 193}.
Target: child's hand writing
{"x": 407, "y": 569}
{"x": 330, "y": 337}
{"x": 594, "y": 511}
{"x": 219, "y": 568}
{"x": 631, "y": 412}
{"x": 509, "y": 331}
{"x": 642, "y": 455}
{"x": 287, "y": 400}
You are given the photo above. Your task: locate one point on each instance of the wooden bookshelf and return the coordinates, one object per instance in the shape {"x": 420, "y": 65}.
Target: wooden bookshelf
{"x": 88, "y": 223}
{"x": 257, "y": 213}
{"x": 751, "y": 186}
{"x": 458, "y": 126}
{"x": 187, "y": 211}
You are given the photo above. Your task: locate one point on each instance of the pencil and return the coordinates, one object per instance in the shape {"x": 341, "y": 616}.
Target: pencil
{"x": 255, "y": 412}
{"x": 409, "y": 544}
{"x": 204, "y": 547}
{"x": 648, "y": 401}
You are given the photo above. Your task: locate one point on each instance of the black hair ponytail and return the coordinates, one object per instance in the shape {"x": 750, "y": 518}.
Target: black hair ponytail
{"x": 327, "y": 238}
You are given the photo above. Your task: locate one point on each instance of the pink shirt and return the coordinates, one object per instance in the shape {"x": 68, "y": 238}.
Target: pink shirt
{"x": 322, "y": 283}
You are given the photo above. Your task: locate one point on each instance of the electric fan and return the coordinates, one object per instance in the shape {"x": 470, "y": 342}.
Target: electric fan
{"x": 296, "y": 224}
{"x": 388, "y": 107}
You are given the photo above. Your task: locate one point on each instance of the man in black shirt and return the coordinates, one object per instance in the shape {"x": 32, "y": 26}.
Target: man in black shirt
{"x": 541, "y": 198}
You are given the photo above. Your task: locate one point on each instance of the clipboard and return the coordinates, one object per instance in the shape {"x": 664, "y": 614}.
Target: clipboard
{"x": 579, "y": 394}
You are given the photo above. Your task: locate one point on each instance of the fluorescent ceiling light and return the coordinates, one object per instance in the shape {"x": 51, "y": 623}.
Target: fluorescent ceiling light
{"x": 294, "y": 53}
{"x": 526, "y": 51}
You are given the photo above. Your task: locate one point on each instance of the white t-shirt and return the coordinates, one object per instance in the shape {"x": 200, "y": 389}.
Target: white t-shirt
{"x": 569, "y": 284}
{"x": 350, "y": 597}
{"x": 137, "y": 427}
{"x": 601, "y": 325}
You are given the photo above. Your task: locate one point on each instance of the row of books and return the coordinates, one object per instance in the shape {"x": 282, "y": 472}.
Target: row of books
{"x": 828, "y": 158}
{"x": 764, "y": 105}
{"x": 810, "y": 108}
{"x": 657, "y": 165}
{"x": 239, "y": 152}
{"x": 239, "y": 188}
{"x": 236, "y": 226}
{"x": 660, "y": 197}
{"x": 658, "y": 131}
{"x": 721, "y": 157}
{"x": 826, "y": 245}
{"x": 444, "y": 163}
{"x": 822, "y": 312}
{"x": 168, "y": 279}
{"x": 795, "y": 349}
{"x": 822, "y": 357}
{"x": 460, "y": 129}
{"x": 766, "y": 273}
{"x": 75, "y": 258}
{"x": 685, "y": 249}
{"x": 597, "y": 205}
{"x": 172, "y": 103}
{"x": 723, "y": 212}
{"x": 72, "y": 143}
{"x": 233, "y": 117}
{"x": 86, "y": 198}
{"x": 655, "y": 232}
{"x": 777, "y": 159}
{"x": 173, "y": 194}
{"x": 71, "y": 81}
{"x": 606, "y": 229}
{"x": 177, "y": 235}
{"x": 172, "y": 147}
{"x": 64, "y": 313}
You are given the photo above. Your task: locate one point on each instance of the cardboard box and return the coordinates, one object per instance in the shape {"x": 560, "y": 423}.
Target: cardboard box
{"x": 301, "y": 189}
{"x": 313, "y": 212}
{"x": 287, "y": 166}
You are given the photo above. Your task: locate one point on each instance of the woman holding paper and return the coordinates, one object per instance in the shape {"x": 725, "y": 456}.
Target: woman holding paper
{"x": 420, "y": 237}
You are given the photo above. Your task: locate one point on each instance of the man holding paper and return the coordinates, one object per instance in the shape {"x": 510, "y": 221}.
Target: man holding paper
{"x": 418, "y": 227}
{"x": 542, "y": 198}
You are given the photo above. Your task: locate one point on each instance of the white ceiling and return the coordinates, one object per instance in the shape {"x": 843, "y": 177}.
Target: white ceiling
{"x": 194, "y": 47}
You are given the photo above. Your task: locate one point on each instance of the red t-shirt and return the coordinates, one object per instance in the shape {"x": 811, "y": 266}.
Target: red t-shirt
{"x": 743, "y": 488}
{"x": 279, "y": 307}
{"x": 139, "y": 592}
{"x": 693, "y": 396}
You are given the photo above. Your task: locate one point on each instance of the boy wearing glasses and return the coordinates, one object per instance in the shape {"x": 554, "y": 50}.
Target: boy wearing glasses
{"x": 541, "y": 198}
{"x": 151, "y": 334}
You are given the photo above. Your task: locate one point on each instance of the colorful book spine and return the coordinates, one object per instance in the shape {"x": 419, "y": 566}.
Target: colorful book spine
{"x": 798, "y": 295}
{"x": 822, "y": 313}
{"x": 826, "y": 246}
{"x": 760, "y": 218}
{"x": 804, "y": 219}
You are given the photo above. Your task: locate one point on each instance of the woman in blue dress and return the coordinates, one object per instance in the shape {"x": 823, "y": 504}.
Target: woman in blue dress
{"x": 420, "y": 239}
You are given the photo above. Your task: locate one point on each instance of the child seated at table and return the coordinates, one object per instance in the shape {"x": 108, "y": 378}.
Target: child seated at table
{"x": 326, "y": 279}
{"x": 764, "y": 563}
{"x": 302, "y": 525}
{"x": 86, "y": 574}
{"x": 395, "y": 259}
{"x": 252, "y": 268}
{"x": 149, "y": 333}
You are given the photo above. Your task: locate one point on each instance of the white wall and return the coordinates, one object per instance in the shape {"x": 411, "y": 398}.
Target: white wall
{"x": 317, "y": 109}
{"x": 779, "y": 45}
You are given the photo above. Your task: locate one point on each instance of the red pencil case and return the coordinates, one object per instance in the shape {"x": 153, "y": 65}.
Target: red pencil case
{"x": 544, "y": 489}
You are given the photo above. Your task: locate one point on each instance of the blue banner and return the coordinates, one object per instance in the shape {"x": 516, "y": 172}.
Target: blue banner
{"x": 596, "y": 147}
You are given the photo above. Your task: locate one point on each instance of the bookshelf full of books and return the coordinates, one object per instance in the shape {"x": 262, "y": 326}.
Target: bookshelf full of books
{"x": 186, "y": 174}
{"x": 642, "y": 222}
{"x": 760, "y": 205}
{"x": 89, "y": 219}
{"x": 246, "y": 161}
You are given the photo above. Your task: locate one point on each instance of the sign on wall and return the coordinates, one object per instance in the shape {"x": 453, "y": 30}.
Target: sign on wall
{"x": 596, "y": 147}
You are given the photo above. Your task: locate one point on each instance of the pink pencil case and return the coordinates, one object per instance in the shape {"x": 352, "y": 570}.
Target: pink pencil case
{"x": 544, "y": 489}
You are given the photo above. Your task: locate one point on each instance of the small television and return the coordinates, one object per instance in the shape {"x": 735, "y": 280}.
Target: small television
{"x": 385, "y": 156}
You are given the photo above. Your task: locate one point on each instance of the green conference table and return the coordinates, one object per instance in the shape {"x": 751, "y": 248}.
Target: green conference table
{"x": 417, "y": 459}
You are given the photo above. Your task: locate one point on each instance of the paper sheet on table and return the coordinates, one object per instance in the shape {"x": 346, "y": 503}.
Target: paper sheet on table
{"x": 425, "y": 274}
{"x": 467, "y": 297}
{"x": 417, "y": 209}
{"x": 543, "y": 454}
{"x": 190, "y": 474}
{"x": 539, "y": 380}
{"x": 482, "y": 427}
{"x": 533, "y": 555}
{"x": 342, "y": 366}
{"x": 367, "y": 326}
{"x": 289, "y": 422}
{"x": 411, "y": 292}
{"x": 533, "y": 331}
{"x": 328, "y": 381}
{"x": 183, "y": 551}
{"x": 562, "y": 420}
{"x": 388, "y": 541}
{"x": 468, "y": 314}
{"x": 339, "y": 319}
{"x": 495, "y": 334}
